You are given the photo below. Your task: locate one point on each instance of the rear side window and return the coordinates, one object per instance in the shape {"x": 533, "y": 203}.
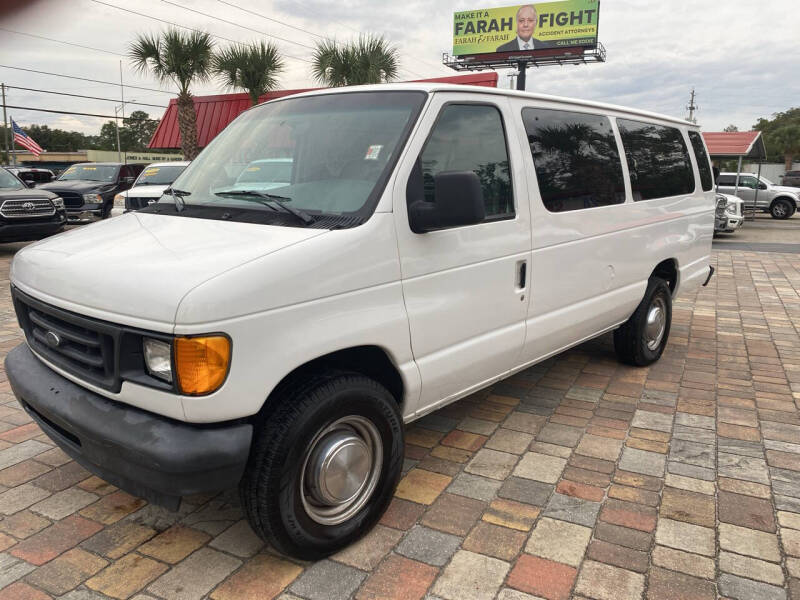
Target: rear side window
{"x": 471, "y": 137}
{"x": 658, "y": 160}
{"x": 576, "y": 158}
{"x": 703, "y": 166}
{"x": 726, "y": 180}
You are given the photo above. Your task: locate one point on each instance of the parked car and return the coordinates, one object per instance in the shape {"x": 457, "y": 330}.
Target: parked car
{"x": 791, "y": 178}
{"x": 148, "y": 187}
{"x": 27, "y": 214}
{"x": 779, "y": 201}
{"x": 279, "y": 340}
{"x": 33, "y": 176}
{"x": 88, "y": 189}
{"x": 729, "y": 213}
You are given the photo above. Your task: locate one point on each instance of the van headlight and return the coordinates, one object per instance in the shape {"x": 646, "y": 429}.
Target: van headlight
{"x": 201, "y": 363}
{"x": 58, "y": 202}
{"x": 158, "y": 358}
{"x": 93, "y": 198}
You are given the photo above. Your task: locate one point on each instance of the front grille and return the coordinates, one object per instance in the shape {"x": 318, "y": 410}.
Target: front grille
{"x": 85, "y": 348}
{"x": 22, "y": 208}
{"x": 71, "y": 199}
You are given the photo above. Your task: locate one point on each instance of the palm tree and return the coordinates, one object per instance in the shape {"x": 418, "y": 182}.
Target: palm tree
{"x": 370, "y": 59}
{"x": 180, "y": 58}
{"x": 251, "y": 67}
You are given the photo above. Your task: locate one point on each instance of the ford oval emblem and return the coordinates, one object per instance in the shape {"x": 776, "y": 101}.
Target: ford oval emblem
{"x": 52, "y": 339}
{"x": 28, "y": 206}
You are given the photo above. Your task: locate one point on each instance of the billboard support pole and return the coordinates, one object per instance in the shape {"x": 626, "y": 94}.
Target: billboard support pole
{"x": 523, "y": 67}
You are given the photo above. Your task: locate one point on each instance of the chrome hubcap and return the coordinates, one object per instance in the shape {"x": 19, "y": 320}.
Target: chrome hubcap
{"x": 779, "y": 209}
{"x": 656, "y": 323}
{"x": 341, "y": 470}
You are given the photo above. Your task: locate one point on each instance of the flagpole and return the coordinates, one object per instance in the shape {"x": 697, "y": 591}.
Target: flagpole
{"x": 5, "y": 123}
{"x": 13, "y": 149}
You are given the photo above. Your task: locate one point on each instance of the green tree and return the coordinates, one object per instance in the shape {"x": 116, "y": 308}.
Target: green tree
{"x": 57, "y": 140}
{"x": 731, "y": 129}
{"x": 179, "y": 58}
{"x": 781, "y": 136}
{"x": 140, "y": 129}
{"x": 370, "y": 59}
{"x": 253, "y": 67}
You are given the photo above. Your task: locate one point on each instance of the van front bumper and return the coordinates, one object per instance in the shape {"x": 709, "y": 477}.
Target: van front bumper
{"x": 147, "y": 455}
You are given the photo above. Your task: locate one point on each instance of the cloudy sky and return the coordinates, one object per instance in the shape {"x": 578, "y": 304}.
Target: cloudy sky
{"x": 739, "y": 56}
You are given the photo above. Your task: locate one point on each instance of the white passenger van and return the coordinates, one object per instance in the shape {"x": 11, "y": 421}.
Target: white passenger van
{"x": 431, "y": 240}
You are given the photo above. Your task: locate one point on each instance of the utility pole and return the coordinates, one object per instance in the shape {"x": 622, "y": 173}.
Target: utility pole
{"x": 5, "y": 122}
{"x": 122, "y": 97}
{"x": 691, "y": 108}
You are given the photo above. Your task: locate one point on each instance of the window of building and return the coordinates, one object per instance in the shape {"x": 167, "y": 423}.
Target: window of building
{"x": 658, "y": 160}
{"x": 576, "y": 158}
{"x": 471, "y": 137}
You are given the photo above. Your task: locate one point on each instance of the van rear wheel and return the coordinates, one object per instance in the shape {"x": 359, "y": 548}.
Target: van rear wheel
{"x": 324, "y": 465}
{"x": 641, "y": 340}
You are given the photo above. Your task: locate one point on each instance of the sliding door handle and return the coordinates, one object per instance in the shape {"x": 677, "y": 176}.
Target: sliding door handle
{"x": 522, "y": 274}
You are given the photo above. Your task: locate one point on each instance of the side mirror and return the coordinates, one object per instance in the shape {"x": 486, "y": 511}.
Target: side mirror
{"x": 128, "y": 180}
{"x": 30, "y": 184}
{"x": 762, "y": 186}
{"x": 459, "y": 201}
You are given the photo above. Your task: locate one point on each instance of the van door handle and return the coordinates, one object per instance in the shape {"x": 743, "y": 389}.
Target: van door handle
{"x": 522, "y": 274}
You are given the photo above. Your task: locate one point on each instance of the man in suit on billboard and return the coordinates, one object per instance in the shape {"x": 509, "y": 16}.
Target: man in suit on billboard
{"x": 526, "y": 25}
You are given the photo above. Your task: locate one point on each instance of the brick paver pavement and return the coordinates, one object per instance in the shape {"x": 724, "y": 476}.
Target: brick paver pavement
{"x": 579, "y": 478}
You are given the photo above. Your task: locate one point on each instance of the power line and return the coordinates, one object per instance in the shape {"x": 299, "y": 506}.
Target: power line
{"x": 199, "y": 12}
{"x": 252, "y": 12}
{"x": 83, "y": 114}
{"x": 300, "y": 29}
{"x": 115, "y": 84}
{"x": 41, "y": 37}
{"x": 128, "y": 10}
{"x": 14, "y": 87}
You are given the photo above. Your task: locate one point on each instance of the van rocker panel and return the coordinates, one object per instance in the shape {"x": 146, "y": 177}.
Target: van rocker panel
{"x": 145, "y": 454}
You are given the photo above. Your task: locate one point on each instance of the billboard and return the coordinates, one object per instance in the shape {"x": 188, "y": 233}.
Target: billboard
{"x": 526, "y": 27}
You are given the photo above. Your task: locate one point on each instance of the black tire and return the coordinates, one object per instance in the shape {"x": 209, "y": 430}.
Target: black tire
{"x": 781, "y": 209}
{"x": 270, "y": 489}
{"x": 631, "y": 338}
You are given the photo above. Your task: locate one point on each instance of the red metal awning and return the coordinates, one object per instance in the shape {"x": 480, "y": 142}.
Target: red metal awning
{"x": 215, "y": 112}
{"x": 723, "y": 144}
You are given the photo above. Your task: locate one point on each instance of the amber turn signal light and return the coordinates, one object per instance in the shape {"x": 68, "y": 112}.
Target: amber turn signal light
{"x": 202, "y": 363}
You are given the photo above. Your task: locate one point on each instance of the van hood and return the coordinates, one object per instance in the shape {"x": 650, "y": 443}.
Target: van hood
{"x": 146, "y": 191}
{"x": 135, "y": 269}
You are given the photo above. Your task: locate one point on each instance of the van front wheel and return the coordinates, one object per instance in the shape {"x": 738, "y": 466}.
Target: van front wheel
{"x": 324, "y": 465}
{"x": 641, "y": 340}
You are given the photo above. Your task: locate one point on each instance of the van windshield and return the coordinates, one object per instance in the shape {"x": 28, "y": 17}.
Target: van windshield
{"x": 327, "y": 155}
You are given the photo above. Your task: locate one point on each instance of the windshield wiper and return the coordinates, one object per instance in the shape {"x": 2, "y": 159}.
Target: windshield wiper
{"x": 177, "y": 197}
{"x": 272, "y": 201}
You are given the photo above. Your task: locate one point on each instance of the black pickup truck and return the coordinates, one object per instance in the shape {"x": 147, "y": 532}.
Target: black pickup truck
{"x": 88, "y": 189}
{"x": 27, "y": 214}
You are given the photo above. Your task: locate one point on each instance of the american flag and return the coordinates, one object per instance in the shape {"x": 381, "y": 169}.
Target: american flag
{"x": 22, "y": 138}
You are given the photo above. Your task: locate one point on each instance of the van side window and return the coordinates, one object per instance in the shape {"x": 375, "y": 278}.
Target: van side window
{"x": 471, "y": 137}
{"x": 576, "y": 158}
{"x": 658, "y": 160}
{"x": 706, "y": 178}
